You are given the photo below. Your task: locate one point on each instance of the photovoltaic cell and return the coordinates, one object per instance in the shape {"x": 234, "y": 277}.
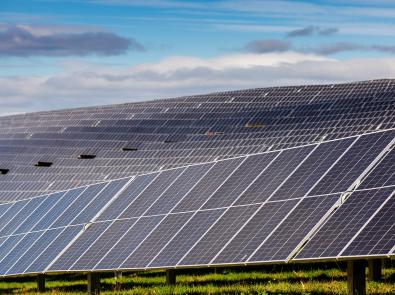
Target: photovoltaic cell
{"x": 127, "y": 197}
{"x": 54, "y": 249}
{"x": 353, "y": 163}
{"x": 271, "y": 178}
{"x": 208, "y": 185}
{"x": 88, "y": 237}
{"x": 151, "y": 193}
{"x": 186, "y": 238}
{"x": 78, "y": 205}
{"x": 216, "y": 238}
{"x": 239, "y": 180}
{"x": 179, "y": 189}
{"x": 129, "y": 242}
{"x": 383, "y": 174}
{"x": 103, "y": 244}
{"x": 315, "y": 166}
{"x": 294, "y": 228}
{"x": 156, "y": 240}
{"x": 377, "y": 238}
{"x": 255, "y": 232}
{"x": 339, "y": 229}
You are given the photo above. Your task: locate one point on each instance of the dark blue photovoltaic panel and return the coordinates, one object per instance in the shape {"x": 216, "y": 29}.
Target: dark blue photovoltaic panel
{"x": 103, "y": 244}
{"x": 21, "y": 216}
{"x": 61, "y": 206}
{"x": 255, "y": 232}
{"x": 127, "y": 197}
{"x": 18, "y": 250}
{"x": 11, "y": 212}
{"x": 294, "y": 228}
{"x": 216, "y": 238}
{"x": 377, "y": 238}
{"x": 272, "y": 177}
{"x": 353, "y": 163}
{"x": 208, "y": 185}
{"x": 340, "y": 228}
{"x": 315, "y": 166}
{"x": 100, "y": 201}
{"x": 186, "y": 238}
{"x": 54, "y": 249}
{"x": 37, "y": 247}
{"x": 41, "y": 210}
{"x": 383, "y": 174}
{"x": 142, "y": 256}
{"x": 82, "y": 244}
{"x": 179, "y": 188}
{"x": 80, "y": 203}
{"x": 151, "y": 193}
{"x": 239, "y": 180}
{"x": 125, "y": 246}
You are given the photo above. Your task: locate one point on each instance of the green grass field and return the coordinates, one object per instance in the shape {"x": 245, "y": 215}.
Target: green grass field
{"x": 328, "y": 280}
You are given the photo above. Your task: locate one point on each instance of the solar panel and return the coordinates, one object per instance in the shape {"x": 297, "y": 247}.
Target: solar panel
{"x": 54, "y": 249}
{"x": 208, "y": 185}
{"x": 293, "y": 229}
{"x": 218, "y": 235}
{"x": 70, "y": 256}
{"x": 354, "y": 162}
{"x": 242, "y": 245}
{"x": 340, "y": 228}
{"x": 376, "y": 237}
{"x": 128, "y": 241}
{"x": 271, "y": 179}
{"x": 154, "y": 242}
{"x": 178, "y": 245}
{"x": 383, "y": 174}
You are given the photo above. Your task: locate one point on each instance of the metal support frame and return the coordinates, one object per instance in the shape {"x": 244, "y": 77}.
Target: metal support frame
{"x": 356, "y": 281}
{"x": 41, "y": 283}
{"x": 374, "y": 266}
{"x": 170, "y": 277}
{"x": 93, "y": 283}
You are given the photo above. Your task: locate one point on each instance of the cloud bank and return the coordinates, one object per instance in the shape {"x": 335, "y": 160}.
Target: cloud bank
{"x": 312, "y": 30}
{"x": 22, "y": 41}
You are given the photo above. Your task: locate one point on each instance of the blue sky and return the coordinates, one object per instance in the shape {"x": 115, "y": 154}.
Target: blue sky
{"x": 62, "y": 54}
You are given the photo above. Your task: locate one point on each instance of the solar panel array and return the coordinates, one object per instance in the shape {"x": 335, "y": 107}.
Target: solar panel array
{"x": 271, "y": 207}
{"x": 245, "y": 177}
{"x": 84, "y": 146}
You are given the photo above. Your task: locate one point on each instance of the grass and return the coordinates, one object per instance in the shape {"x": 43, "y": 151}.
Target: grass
{"x": 326, "y": 280}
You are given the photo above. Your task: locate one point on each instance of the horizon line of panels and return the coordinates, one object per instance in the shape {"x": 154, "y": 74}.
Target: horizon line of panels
{"x": 213, "y": 187}
{"x": 259, "y": 93}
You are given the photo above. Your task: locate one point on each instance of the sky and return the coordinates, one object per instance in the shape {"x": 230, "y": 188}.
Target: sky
{"x": 58, "y": 54}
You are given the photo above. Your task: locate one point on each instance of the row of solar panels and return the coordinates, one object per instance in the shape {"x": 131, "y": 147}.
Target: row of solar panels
{"x": 178, "y": 132}
{"x": 255, "y": 209}
{"x": 279, "y": 95}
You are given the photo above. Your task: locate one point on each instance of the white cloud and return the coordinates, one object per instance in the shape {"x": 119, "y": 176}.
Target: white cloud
{"x": 81, "y": 84}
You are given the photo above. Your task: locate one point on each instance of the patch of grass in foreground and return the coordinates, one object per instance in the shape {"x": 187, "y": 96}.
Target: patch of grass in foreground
{"x": 235, "y": 281}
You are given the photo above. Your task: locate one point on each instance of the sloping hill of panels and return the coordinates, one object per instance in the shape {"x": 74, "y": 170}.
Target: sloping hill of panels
{"x": 89, "y": 145}
{"x": 317, "y": 201}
